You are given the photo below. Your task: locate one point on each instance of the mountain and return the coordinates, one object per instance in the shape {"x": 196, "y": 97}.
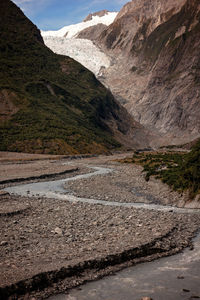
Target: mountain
{"x": 92, "y": 32}
{"x": 149, "y": 58}
{"x": 71, "y": 31}
{"x": 155, "y": 48}
{"x": 50, "y": 103}
{"x": 72, "y": 41}
{"x": 100, "y": 14}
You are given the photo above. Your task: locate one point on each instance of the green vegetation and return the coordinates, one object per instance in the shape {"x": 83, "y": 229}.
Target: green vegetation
{"x": 181, "y": 171}
{"x": 59, "y": 106}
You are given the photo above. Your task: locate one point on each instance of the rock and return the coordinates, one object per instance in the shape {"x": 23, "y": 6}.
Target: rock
{"x": 4, "y": 243}
{"x": 191, "y": 247}
{"x": 58, "y": 231}
{"x": 186, "y": 290}
{"x": 3, "y": 193}
{"x": 100, "y": 13}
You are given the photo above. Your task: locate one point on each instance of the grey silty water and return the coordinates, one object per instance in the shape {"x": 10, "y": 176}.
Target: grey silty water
{"x": 55, "y": 190}
{"x": 171, "y": 278}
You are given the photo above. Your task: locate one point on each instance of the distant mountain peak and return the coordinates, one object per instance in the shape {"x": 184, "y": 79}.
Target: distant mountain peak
{"x": 71, "y": 31}
{"x": 100, "y": 13}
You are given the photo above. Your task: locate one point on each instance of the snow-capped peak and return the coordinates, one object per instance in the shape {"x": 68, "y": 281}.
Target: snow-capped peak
{"x": 72, "y": 31}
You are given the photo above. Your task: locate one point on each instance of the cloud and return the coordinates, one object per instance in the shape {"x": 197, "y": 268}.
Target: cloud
{"x": 106, "y": 4}
{"x": 32, "y": 7}
{"x": 19, "y": 2}
{"x": 117, "y": 2}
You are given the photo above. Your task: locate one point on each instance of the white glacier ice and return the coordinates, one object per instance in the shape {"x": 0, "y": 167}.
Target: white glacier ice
{"x": 84, "y": 51}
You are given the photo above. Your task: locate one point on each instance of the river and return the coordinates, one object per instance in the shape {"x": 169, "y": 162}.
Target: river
{"x": 55, "y": 189}
{"x": 171, "y": 278}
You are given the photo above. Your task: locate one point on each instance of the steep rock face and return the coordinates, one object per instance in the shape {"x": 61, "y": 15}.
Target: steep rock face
{"x": 156, "y": 48}
{"x": 50, "y": 103}
{"x": 92, "y": 33}
{"x": 138, "y": 19}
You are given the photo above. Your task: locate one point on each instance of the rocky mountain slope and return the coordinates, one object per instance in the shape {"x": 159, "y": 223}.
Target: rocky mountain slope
{"x": 93, "y": 32}
{"x": 155, "y": 46}
{"x": 50, "y": 103}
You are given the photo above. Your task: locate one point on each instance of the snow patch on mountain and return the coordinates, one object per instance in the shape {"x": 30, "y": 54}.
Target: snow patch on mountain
{"x": 83, "y": 51}
{"x": 72, "y": 31}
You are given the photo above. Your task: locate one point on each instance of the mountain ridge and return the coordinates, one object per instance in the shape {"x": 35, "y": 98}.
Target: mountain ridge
{"x": 50, "y": 103}
{"x": 100, "y": 13}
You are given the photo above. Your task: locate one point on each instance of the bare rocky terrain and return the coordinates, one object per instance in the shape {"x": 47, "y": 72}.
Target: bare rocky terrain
{"x": 126, "y": 184}
{"x": 155, "y": 71}
{"x": 50, "y": 245}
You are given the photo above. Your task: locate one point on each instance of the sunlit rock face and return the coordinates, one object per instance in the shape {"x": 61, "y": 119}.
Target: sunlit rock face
{"x": 155, "y": 47}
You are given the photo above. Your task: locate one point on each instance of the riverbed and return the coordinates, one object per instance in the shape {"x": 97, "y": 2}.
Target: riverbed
{"x": 99, "y": 219}
{"x": 57, "y": 189}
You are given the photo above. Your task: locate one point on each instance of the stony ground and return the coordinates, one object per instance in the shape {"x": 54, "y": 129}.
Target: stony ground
{"x": 23, "y": 165}
{"x": 126, "y": 184}
{"x": 43, "y": 235}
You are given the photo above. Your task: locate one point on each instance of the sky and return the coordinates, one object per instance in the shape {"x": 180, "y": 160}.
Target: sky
{"x": 55, "y": 14}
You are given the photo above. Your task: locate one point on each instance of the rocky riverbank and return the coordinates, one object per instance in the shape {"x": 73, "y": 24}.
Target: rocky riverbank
{"x": 126, "y": 184}
{"x": 50, "y": 245}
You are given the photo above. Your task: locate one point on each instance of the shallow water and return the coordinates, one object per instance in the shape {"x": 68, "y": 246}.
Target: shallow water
{"x": 171, "y": 278}
{"x": 55, "y": 190}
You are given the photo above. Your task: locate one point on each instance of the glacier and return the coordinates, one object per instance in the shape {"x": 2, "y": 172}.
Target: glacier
{"x": 84, "y": 51}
